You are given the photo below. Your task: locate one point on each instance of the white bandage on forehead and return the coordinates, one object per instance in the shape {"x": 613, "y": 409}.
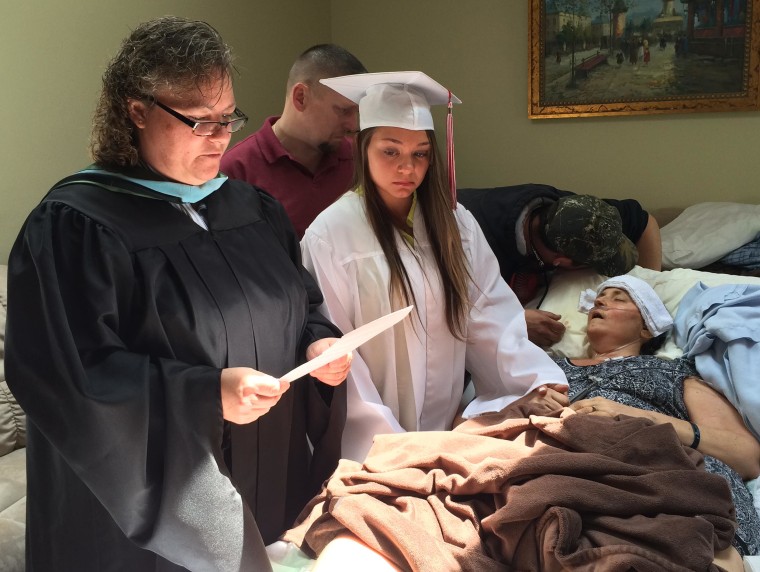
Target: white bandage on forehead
{"x": 656, "y": 316}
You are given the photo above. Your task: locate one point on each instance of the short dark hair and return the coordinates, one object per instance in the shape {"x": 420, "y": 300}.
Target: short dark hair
{"x": 650, "y": 347}
{"x": 321, "y": 61}
{"x": 168, "y": 52}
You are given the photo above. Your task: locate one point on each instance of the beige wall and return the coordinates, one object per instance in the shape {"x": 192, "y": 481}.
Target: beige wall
{"x": 52, "y": 53}
{"x": 479, "y": 49}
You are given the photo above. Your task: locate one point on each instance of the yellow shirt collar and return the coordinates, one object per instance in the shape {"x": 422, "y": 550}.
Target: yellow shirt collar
{"x": 409, "y": 217}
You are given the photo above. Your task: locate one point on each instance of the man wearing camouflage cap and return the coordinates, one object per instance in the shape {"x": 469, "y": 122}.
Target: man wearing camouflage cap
{"x": 535, "y": 228}
{"x": 589, "y": 232}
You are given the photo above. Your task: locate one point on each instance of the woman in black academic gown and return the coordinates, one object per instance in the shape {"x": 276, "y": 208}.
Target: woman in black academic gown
{"x": 153, "y": 306}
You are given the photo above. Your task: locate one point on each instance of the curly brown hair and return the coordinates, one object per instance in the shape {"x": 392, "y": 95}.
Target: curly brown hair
{"x": 165, "y": 53}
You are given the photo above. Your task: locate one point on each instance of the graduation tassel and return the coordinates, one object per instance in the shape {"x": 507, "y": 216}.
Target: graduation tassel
{"x": 450, "y": 154}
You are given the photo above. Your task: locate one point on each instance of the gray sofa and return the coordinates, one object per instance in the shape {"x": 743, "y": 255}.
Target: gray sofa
{"x": 12, "y": 460}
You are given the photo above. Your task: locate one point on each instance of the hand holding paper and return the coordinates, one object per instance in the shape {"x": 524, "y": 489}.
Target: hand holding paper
{"x": 335, "y": 372}
{"x": 348, "y": 343}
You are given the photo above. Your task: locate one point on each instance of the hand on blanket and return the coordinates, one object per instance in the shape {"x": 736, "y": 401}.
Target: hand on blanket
{"x": 606, "y": 407}
{"x": 551, "y": 396}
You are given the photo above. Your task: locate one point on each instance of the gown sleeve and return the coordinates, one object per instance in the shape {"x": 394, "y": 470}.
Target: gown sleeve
{"x": 363, "y": 398}
{"x": 142, "y": 433}
{"x": 503, "y": 362}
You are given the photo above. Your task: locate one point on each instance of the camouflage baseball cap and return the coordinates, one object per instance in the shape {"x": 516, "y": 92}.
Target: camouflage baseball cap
{"x": 589, "y": 231}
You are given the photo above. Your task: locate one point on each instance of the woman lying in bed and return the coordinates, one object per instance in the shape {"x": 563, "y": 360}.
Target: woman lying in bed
{"x": 627, "y": 323}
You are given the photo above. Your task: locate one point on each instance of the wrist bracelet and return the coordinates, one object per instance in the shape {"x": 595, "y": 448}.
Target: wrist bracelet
{"x": 697, "y": 436}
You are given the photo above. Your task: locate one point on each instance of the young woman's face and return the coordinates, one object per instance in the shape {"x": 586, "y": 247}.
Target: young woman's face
{"x": 398, "y": 161}
{"x": 170, "y": 147}
{"x": 615, "y": 315}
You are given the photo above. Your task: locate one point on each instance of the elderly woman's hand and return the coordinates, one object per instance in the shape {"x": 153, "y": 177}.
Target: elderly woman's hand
{"x": 248, "y": 394}
{"x": 335, "y": 372}
{"x": 551, "y": 396}
{"x": 606, "y": 407}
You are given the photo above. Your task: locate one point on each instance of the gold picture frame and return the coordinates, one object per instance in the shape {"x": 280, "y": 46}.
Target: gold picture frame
{"x": 621, "y": 57}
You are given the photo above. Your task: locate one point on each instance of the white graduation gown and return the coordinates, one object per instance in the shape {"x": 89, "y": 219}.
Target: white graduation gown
{"x": 342, "y": 253}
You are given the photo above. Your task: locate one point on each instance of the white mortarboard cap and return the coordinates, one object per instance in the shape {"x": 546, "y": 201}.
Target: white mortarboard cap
{"x": 393, "y": 99}
{"x": 400, "y": 99}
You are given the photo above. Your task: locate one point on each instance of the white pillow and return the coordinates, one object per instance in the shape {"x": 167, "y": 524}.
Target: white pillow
{"x": 566, "y": 286}
{"x": 706, "y": 232}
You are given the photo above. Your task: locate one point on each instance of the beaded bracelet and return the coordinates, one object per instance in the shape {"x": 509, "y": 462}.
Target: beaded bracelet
{"x": 697, "y": 436}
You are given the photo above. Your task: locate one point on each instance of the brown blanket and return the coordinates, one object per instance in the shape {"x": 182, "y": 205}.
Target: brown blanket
{"x": 543, "y": 493}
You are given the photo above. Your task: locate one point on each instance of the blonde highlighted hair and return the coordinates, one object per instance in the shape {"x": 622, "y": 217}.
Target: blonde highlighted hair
{"x": 434, "y": 202}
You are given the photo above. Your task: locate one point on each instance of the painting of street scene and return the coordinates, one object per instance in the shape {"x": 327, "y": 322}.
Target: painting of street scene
{"x": 641, "y": 55}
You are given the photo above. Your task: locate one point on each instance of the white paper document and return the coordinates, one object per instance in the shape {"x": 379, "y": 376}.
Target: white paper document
{"x": 348, "y": 342}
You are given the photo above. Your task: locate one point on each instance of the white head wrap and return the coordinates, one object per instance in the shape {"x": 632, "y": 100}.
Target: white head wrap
{"x": 656, "y": 316}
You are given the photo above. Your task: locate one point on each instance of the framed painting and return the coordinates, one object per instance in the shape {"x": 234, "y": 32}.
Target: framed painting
{"x": 627, "y": 57}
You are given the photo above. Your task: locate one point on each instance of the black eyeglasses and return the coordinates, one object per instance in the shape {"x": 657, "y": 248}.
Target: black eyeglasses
{"x": 207, "y": 128}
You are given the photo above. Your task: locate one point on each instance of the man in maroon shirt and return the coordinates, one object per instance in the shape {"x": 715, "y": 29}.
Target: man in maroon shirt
{"x": 304, "y": 158}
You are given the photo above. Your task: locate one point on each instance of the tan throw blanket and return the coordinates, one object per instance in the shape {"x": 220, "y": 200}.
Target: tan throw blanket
{"x": 543, "y": 493}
